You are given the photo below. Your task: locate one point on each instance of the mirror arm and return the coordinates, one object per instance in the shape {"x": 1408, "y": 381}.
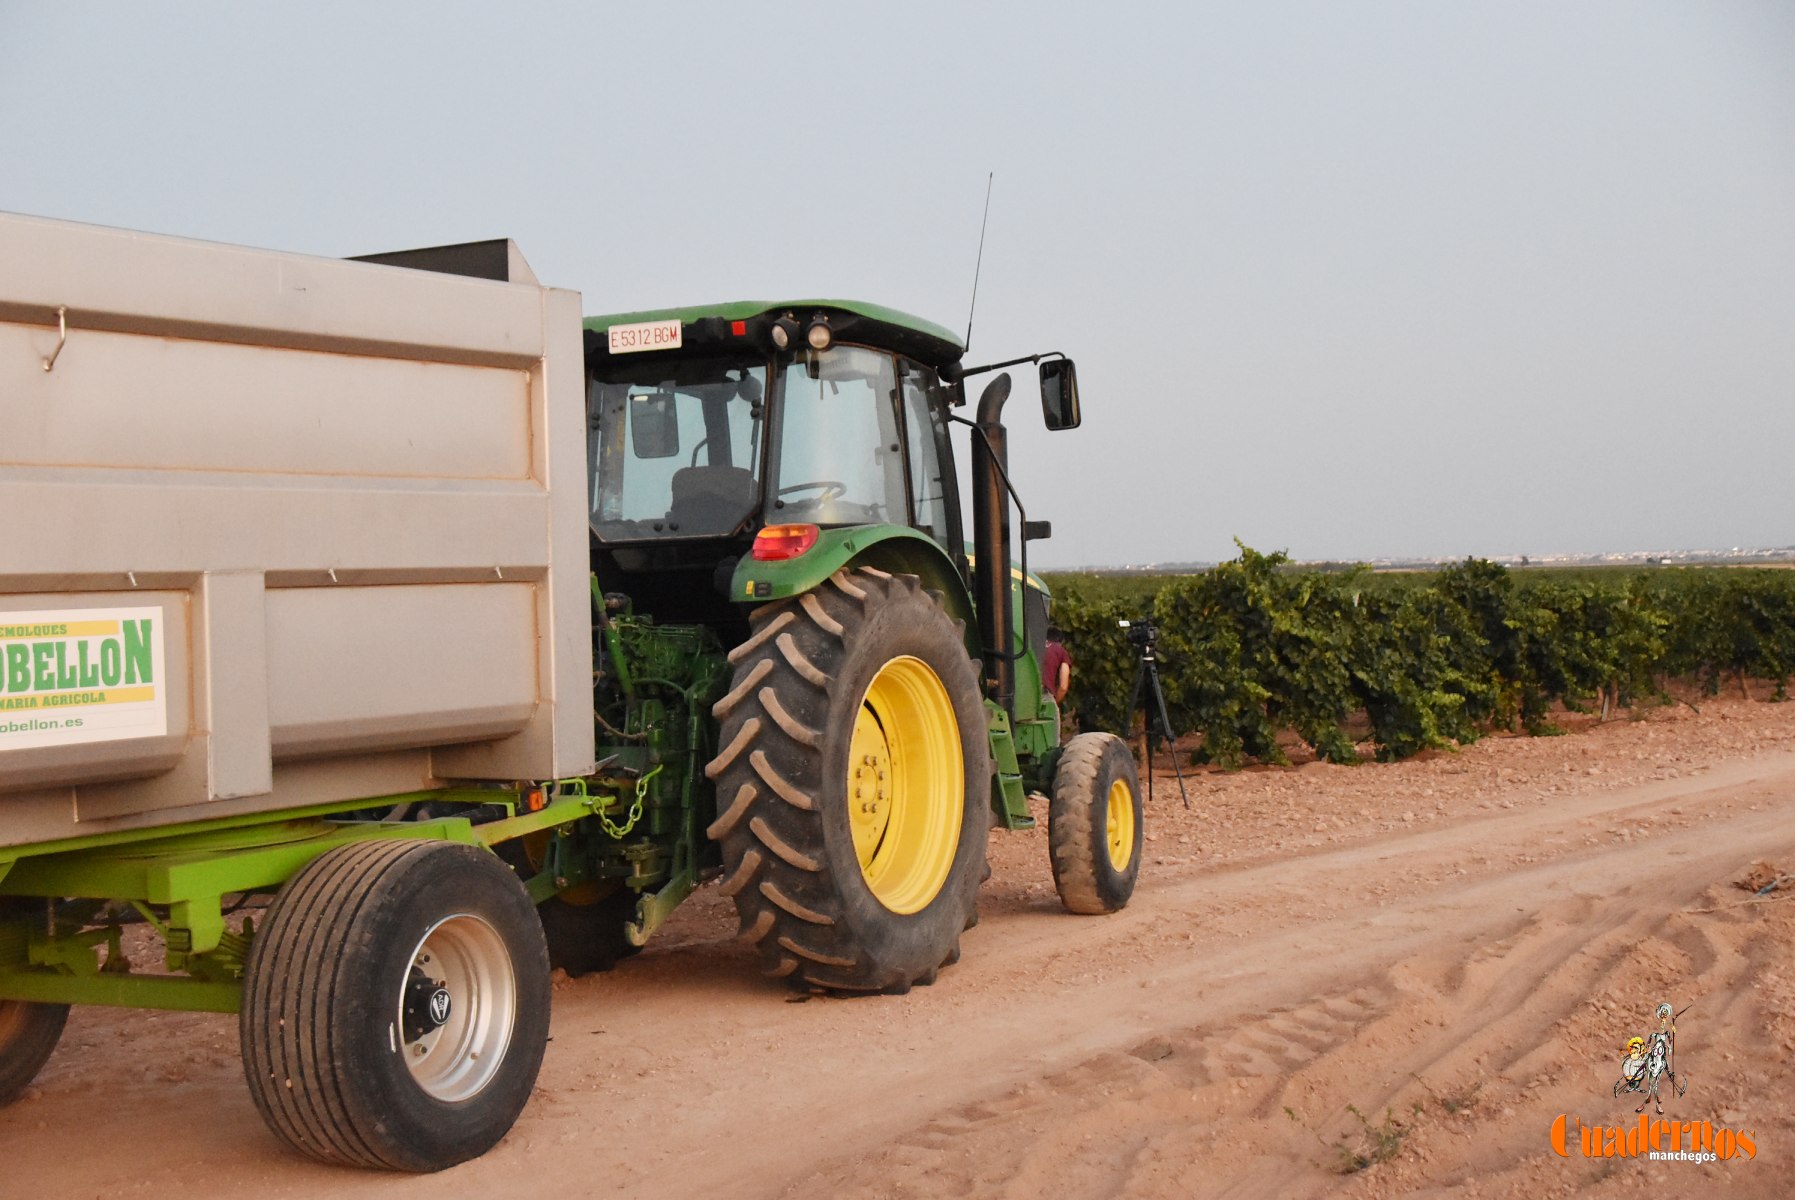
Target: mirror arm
{"x": 1014, "y": 362}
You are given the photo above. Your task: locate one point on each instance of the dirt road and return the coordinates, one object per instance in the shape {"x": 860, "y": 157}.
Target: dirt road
{"x": 1455, "y": 948}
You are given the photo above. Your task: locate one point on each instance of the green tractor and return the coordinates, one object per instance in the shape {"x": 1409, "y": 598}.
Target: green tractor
{"x": 830, "y": 696}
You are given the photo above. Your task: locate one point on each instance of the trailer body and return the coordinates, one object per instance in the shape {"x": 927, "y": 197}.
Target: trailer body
{"x": 281, "y": 531}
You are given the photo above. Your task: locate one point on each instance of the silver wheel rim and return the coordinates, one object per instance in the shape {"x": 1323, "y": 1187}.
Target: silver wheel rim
{"x": 467, "y": 957}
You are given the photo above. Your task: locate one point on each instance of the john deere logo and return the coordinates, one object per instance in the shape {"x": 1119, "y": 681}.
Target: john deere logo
{"x": 439, "y": 1006}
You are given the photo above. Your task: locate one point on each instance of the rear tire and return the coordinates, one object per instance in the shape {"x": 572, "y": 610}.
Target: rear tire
{"x": 1094, "y": 824}
{"x": 853, "y": 785}
{"x": 28, "y": 1033}
{"x": 395, "y": 1005}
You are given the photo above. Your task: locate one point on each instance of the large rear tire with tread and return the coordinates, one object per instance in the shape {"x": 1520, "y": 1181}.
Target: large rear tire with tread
{"x": 853, "y": 784}
{"x": 396, "y": 1005}
{"x": 1094, "y": 824}
{"x": 28, "y": 1033}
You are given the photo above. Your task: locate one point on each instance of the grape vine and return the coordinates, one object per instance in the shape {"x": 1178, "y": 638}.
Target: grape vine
{"x": 1254, "y": 648}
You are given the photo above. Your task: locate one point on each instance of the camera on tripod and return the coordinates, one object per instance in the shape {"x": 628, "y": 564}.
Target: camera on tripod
{"x": 1140, "y": 633}
{"x": 1148, "y": 699}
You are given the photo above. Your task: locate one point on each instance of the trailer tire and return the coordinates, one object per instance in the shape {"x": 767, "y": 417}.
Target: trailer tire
{"x": 853, "y": 784}
{"x": 1094, "y": 823}
{"x": 396, "y": 1005}
{"x": 28, "y": 1033}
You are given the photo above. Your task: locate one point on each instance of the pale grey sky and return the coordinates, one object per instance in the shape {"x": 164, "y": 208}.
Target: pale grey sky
{"x": 1352, "y": 280}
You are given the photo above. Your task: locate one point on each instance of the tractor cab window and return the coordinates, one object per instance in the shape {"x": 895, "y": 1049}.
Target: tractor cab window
{"x": 925, "y": 423}
{"x": 840, "y": 454}
{"x": 674, "y": 448}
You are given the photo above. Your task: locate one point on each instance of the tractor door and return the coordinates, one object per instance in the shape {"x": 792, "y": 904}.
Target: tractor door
{"x": 934, "y": 492}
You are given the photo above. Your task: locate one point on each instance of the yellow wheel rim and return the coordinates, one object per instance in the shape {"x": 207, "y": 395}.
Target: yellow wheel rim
{"x": 906, "y": 785}
{"x": 1120, "y": 824}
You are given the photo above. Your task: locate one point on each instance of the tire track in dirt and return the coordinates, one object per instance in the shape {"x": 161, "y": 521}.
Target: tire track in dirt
{"x": 1452, "y": 987}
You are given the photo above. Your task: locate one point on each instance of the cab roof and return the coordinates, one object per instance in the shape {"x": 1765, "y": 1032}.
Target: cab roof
{"x": 710, "y": 325}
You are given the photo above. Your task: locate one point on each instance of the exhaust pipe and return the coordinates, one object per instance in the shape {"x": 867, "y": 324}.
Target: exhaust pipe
{"x": 991, "y": 544}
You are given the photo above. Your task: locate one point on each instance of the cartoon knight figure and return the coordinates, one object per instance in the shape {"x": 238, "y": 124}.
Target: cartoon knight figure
{"x": 1650, "y": 1060}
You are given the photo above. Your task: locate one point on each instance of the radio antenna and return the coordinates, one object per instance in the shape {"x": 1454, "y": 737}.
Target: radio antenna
{"x": 983, "y": 221}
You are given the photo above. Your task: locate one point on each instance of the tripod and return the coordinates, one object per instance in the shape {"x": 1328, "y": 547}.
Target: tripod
{"x": 1149, "y": 699}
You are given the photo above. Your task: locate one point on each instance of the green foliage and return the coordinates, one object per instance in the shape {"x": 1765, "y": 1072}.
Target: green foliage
{"x": 1253, "y": 648}
{"x": 1421, "y": 672}
{"x": 1259, "y": 650}
{"x": 1103, "y": 664}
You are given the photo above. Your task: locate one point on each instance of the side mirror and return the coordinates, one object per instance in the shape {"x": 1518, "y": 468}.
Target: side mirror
{"x": 1059, "y": 393}
{"x": 653, "y": 425}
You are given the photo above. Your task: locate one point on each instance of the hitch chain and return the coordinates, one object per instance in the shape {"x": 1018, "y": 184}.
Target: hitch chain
{"x": 619, "y": 832}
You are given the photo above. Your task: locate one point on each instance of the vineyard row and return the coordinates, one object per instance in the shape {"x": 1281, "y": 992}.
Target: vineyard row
{"x": 1253, "y": 648}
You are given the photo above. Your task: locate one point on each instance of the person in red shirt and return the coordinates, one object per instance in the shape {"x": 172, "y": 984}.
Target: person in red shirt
{"x": 1056, "y": 671}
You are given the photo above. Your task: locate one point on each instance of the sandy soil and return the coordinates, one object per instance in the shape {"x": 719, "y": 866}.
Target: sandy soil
{"x": 1410, "y": 969}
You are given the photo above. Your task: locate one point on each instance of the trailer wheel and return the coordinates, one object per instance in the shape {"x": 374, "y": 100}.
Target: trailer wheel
{"x": 1094, "y": 824}
{"x": 395, "y": 1005}
{"x": 28, "y": 1033}
{"x": 853, "y": 784}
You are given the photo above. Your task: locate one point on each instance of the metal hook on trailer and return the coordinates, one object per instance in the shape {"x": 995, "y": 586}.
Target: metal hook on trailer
{"x": 62, "y": 328}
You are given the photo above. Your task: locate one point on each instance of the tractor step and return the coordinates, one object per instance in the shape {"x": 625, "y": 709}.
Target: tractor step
{"x": 1010, "y": 800}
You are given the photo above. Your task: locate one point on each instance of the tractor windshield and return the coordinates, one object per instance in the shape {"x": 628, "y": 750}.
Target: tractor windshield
{"x": 675, "y": 447}
{"x": 840, "y": 446}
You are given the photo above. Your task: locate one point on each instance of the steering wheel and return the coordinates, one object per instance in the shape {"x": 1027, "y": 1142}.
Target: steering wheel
{"x": 831, "y": 489}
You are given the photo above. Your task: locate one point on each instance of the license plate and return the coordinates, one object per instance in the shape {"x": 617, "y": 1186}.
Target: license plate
{"x": 645, "y": 335}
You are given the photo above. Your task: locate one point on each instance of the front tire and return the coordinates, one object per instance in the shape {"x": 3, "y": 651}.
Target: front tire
{"x": 395, "y": 1005}
{"x": 853, "y": 784}
{"x": 583, "y": 925}
{"x": 1094, "y": 824}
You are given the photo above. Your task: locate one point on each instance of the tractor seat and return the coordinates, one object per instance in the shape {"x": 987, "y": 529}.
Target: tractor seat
{"x": 710, "y": 499}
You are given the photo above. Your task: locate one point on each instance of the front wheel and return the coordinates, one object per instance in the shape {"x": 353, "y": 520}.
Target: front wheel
{"x": 395, "y": 1005}
{"x": 1094, "y": 824}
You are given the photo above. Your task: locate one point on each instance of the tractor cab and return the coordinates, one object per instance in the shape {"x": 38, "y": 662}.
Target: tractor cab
{"x": 707, "y": 426}
{"x": 725, "y": 441}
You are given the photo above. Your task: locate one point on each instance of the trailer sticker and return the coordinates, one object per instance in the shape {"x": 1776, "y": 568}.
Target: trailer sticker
{"x": 646, "y": 335}
{"x": 85, "y": 675}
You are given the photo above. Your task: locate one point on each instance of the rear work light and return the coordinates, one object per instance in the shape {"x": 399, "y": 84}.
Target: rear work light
{"x": 776, "y": 543}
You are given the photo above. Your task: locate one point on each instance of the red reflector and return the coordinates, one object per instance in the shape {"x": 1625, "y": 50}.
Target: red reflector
{"x": 777, "y": 542}
{"x": 739, "y": 328}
